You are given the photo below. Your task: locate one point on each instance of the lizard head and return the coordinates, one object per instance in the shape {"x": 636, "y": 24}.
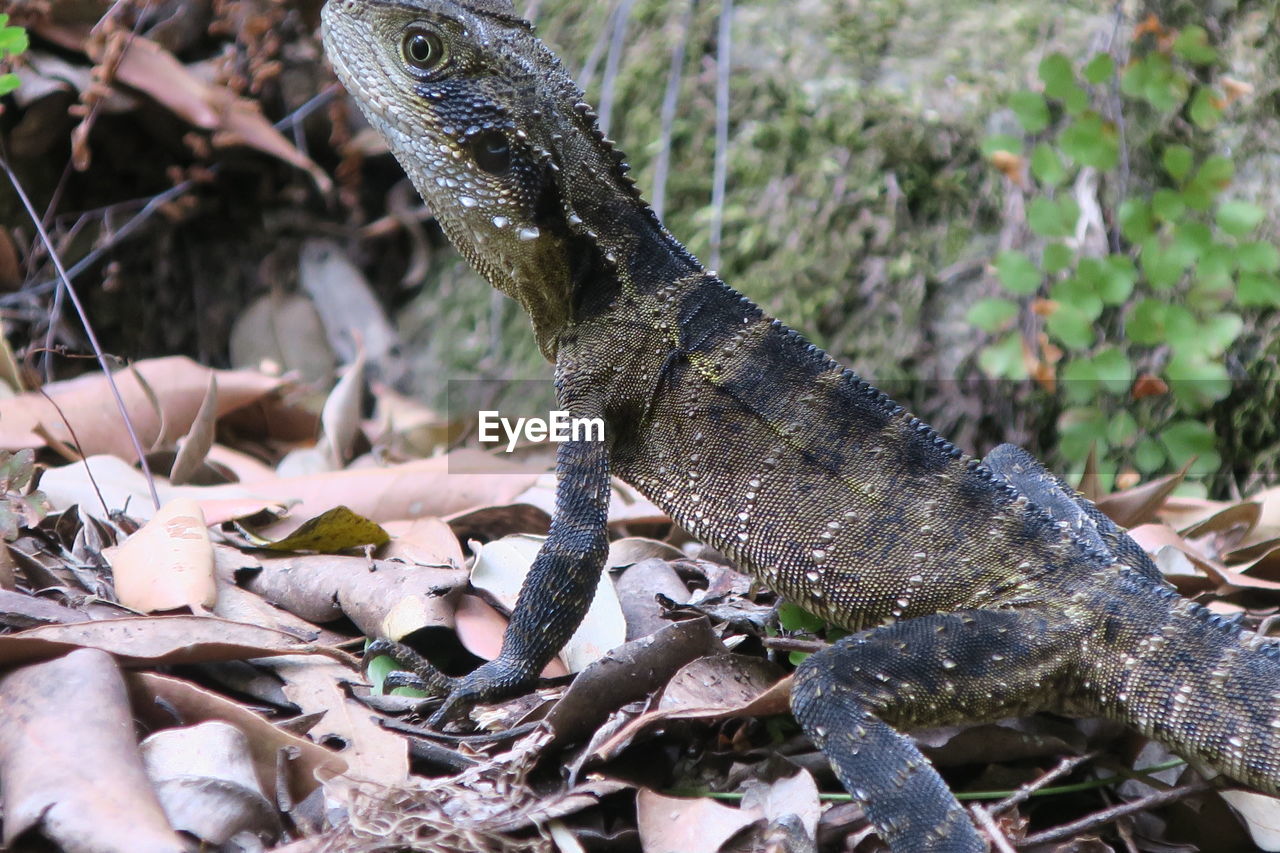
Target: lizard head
{"x": 487, "y": 125}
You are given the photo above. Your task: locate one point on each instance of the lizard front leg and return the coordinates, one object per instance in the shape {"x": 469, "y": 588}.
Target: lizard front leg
{"x": 952, "y": 667}
{"x": 560, "y": 585}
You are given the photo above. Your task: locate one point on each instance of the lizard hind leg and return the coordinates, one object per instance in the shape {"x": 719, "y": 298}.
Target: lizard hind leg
{"x": 853, "y": 697}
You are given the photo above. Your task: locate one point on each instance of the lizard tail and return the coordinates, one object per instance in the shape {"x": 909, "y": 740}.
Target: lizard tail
{"x": 1189, "y": 678}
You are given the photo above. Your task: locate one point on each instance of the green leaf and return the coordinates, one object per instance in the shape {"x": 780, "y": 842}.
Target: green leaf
{"x": 1196, "y": 381}
{"x": 1057, "y": 75}
{"x": 1079, "y": 381}
{"x": 1258, "y": 291}
{"x": 1167, "y": 204}
{"x": 1163, "y": 265}
{"x": 1122, "y": 429}
{"x": 1192, "y": 44}
{"x": 1079, "y": 294}
{"x": 1017, "y": 273}
{"x": 1219, "y": 332}
{"x": 1057, "y": 257}
{"x": 1205, "y": 110}
{"x": 993, "y": 315}
{"x": 1217, "y": 171}
{"x": 1072, "y": 326}
{"x": 795, "y": 618}
{"x": 1177, "y": 161}
{"x": 1258, "y": 257}
{"x": 1114, "y": 370}
{"x": 13, "y": 40}
{"x": 1091, "y": 142}
{"x": 1135, "y": 220}
{"x": 1031, "y": 110}
{"x": 1001, "y": 142}
{"x": 1146, "y": 322}
{"x": 1192, "y": 239}
{"x": 1148, "y": 455}
{"x": 1215, "y": 267}
{"x": 1004, "y": 360}
{"x": 1053, "y": 219}
{"x": 1047, "y": 166}
{"x": 1100, "y": 69}
{"x": 1080, "y": 430}
{"x": 1186, "y": 439}
{"x": 8, "y": 82}
{"x": 1119, "y": 275}
{"x": 1239, "y": 218}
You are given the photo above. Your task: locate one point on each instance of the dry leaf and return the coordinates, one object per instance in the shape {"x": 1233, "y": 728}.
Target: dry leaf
{"x": 168, "y": 563}
{"x": 339, "y": 529}
{"x": 69, "y": 728}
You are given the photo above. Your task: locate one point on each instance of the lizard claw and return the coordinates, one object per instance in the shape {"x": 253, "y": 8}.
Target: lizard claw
{"x": 491, "y": 681}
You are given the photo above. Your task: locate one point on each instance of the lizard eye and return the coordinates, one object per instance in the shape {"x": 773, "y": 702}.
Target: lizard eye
{"x": 422, "y": 49}
{"x": 492, "y": 152}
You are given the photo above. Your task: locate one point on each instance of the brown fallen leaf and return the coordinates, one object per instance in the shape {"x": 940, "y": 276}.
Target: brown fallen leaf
{"x": 68, "y": 726}
{"x": 371, "y": 752}
{"x": 693, "y": 825}
{"x": 379, "y": 596}
{"x": 204, "y": 777}
{"x": 694, "y": 697}
{"x": 153, "y": 640}
{"x": 156, "y": 697}
{"x": 194, "y": 447}
{"x": 168, "y": 563}
{"x": 1139, "y": 505}
{"x": 148, "y": 67}
{"x": 178, "y": 383}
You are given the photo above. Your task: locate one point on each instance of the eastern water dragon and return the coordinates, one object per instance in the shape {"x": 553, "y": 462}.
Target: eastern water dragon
{"x": 975, "y": 589}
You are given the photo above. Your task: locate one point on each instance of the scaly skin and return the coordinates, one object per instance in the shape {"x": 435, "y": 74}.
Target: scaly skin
{"x": 977, "y": 590}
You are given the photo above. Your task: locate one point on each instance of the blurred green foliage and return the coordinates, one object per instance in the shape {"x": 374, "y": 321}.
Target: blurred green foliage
{"x": 13, "y": 42}
{"x": 1141, "y": 321}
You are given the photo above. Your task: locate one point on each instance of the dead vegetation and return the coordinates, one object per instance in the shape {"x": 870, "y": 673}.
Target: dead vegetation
{"x": 188, "y": 575}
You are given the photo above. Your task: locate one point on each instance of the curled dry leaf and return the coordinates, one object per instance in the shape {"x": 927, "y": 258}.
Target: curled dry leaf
{"x": 68, "y": 725}
{"x": 204, "y": 777}
{"x": 349, "y": 309}
{"x": 156, "y": 698}
{"x": 168, "y": 563}
{"x": 177, "y": 382}
{"x": 379, "y": 596}
{"x": 194, "y": 447}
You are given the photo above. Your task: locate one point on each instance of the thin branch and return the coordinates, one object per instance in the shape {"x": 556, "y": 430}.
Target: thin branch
{"x": 724, "y": 60}
{"x": 1093, "y": 821}
{"x": 984, "y": 820}
{"x": 88, "y": 327}
{"x": 670, "y": 103}
{"x": 1064, "y": 767}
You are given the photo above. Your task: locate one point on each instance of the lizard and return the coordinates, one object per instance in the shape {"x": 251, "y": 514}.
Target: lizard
{"x": 974, "y": 589}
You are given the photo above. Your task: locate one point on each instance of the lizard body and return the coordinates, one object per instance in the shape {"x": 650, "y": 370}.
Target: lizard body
{"x": 976, "y": 590}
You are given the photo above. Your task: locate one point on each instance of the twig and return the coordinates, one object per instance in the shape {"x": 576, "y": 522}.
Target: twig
{"x": 670, "y": 102}
{"x": 1093, "y": 821}
{"x": 724, "y": 60}
{"x": 984, "y": 820}
{"x": 88, "y": 327}
{"x": 1064, "y": 767}
{"x": 609, "y": 85}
